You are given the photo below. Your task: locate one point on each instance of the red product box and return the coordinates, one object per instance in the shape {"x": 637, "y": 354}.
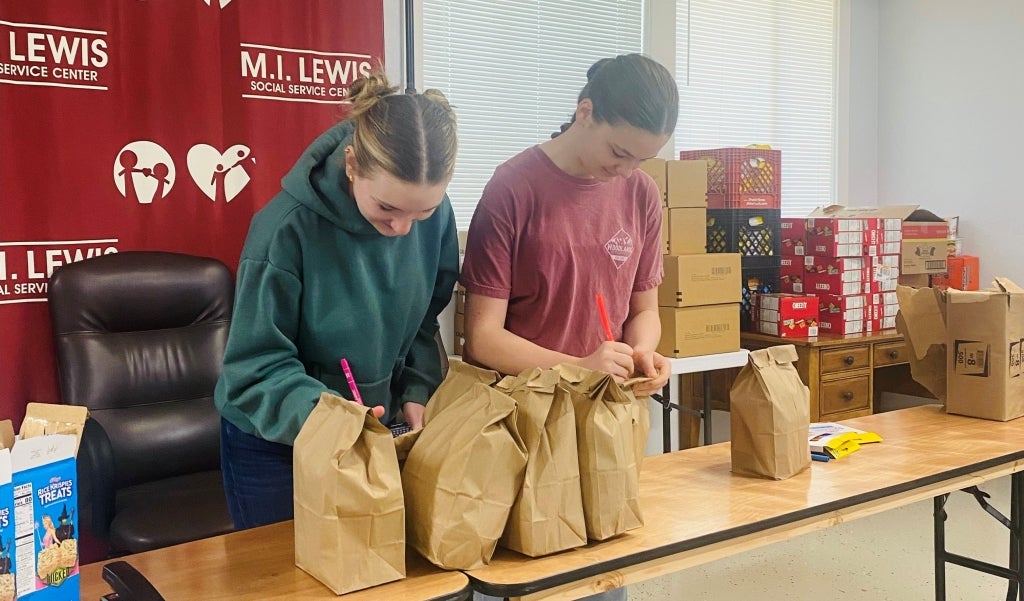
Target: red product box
{"x": 793, "y": 227}
{"x": 793, "y": 247}
{"x": 819, "y": 283}
{"x": 881, "y": 237}
{"x": 829, "y": 323}
{"x": 884, "y": 298}
{"x": 851, "y": 268}
{"x": 891, "y": 224}
{"x": 788, "y": 315}
{"x": 925, "y": 230}
{"x": 962, "y": 274}
{"x": 891, "y": 260}
{"x": 845, "y": 244}
{"x": 791, "y": 274}
{"x": 833, "y": 303}
{"x": 827, "y": 226}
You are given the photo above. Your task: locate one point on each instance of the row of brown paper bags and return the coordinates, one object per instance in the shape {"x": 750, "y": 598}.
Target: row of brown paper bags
{"x": 542, "y": 461}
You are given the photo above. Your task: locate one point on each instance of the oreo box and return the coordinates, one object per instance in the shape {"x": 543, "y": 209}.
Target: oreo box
{"x": 45, "y": 491}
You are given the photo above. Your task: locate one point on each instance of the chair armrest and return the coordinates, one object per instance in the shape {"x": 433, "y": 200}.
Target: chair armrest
{"x": 96, "y": 482}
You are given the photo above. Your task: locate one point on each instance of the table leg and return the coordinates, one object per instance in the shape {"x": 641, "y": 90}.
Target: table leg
{"x": 666, "y": 417}
{"x": 939, "y": 525}
{"x": 706, "y": 415}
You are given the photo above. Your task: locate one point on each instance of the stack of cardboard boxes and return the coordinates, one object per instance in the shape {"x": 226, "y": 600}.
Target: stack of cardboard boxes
{"x": 700, "y": 293}
{"x": 852, "y": 259}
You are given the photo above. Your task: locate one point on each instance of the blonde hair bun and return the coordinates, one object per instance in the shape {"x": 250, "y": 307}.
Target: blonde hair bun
{"x": 438, "y": 96}
{"x": 367, "y": 91}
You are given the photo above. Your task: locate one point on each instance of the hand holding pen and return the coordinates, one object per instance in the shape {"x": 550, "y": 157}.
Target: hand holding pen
{"x": 357, "y": 398}
{"x": 615, "y": 358}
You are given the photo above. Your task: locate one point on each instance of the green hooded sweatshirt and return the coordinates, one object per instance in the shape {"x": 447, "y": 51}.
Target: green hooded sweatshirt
{"x": 316, "y": 283}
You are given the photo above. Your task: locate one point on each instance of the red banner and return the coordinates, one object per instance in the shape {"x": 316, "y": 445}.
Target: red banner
{"x": 128, "y": 125}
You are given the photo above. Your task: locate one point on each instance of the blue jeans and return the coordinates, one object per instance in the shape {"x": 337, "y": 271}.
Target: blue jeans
{"x": 618, "y": 594}
{"x": 257, "y": 478}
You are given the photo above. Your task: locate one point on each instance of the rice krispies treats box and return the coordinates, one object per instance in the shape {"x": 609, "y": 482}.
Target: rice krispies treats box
{"x": 45, "y": 501}
{"x": 7, "y": 555}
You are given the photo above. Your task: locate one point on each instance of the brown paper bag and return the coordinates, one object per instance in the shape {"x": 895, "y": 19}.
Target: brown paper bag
{"x": 770, "y": 415}
{"x": 349, "y": 510}
{"x": 463, "y": 474}
{"x": 404, "y": 443}
{"x": 461, "y": 376}
{"x": 547, "y": 516}
{"x": 641, "y": 420}
{"x": 609, "y": 478}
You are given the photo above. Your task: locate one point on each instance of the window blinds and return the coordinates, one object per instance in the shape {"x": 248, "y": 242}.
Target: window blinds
{"x": 512, "y": 71}
{"x": 762, "y": 72}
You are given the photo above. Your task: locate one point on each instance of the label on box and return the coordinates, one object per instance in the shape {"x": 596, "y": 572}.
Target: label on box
{"x": 833, "y": 303}
{"x": 45, "y": 507}
{"x": 834, "y": 265}
{"x": 826, "y": 284}
{"x": 970, "y": 358}
{"x": 793, "y": 247}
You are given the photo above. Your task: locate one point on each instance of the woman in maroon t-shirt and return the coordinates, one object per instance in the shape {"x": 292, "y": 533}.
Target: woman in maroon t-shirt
{"x": 570, "y": 218}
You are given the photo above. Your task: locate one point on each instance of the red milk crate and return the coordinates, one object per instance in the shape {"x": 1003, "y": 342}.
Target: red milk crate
{"x": 741, "y": 178}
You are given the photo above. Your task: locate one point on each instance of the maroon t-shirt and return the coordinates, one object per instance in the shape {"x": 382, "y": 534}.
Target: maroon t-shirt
{"x": 548, "y": 242}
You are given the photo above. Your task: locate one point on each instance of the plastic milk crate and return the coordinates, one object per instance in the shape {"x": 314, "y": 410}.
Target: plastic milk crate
{"x": 741, "y": 178}
{"x": 749, "y": 232}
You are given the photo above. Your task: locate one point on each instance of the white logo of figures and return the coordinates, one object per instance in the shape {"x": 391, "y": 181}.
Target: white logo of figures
{"x": 220, "y": 176}
{"x": 143, "y": 171}
{"x": 222, "y": 3}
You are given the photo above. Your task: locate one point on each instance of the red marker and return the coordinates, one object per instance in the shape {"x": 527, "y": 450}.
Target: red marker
{"x": 604, "y": 318}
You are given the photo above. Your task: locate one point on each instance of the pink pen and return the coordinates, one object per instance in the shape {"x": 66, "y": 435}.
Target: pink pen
{"x": 351, "y": 381}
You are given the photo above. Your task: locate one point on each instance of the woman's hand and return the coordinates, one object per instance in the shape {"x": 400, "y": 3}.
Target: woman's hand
{"x": 652, "y": 365}
{"x": 615, "y": 358}
{"x": 413, "y": 414}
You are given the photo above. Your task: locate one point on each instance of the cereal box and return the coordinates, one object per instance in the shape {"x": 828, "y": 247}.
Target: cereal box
{"x": 7, "y": 567}
{"x": 45, "y": 503}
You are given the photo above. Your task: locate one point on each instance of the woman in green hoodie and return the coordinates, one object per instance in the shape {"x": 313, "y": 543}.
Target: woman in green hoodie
{"x": 353, "y": 259}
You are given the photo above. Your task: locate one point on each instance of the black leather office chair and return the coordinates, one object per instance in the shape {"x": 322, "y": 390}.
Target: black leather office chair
{"x": 139, "y": 339}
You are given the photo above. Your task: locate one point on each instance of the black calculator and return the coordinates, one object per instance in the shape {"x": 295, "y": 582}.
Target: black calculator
{"x": 399, "y": 428}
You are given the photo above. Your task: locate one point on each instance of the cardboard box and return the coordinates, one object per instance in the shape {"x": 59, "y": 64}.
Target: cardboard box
{"x": 688, "y": 232}
{"x": 923, "y": 256}
{"x": 46, "y": 499}
{"x": 793, "y": 227}
{"x": 793, "y": 247}
{"x": 963, "y": 274}
{"x": 827, "y": 226}
{"x": 834, "y": 323}
{"x": 917, "y": 280}
{"x": 787, "y": 315}
{"x": 915, "y": 222}
{"x": 967, "y": 347}
{"x": 708, "y": 279}
{"x": 703, "y": 330}
{"x": 834, "y": 303}
{"x": 687, "y": 184}
{"x": 836, "y": 266}
{"x": 655, "y": 168}
{"x": 8, "y": 558}
{"x": 665, "y": 234}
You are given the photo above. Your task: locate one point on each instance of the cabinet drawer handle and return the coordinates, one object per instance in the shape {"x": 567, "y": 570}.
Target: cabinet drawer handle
{"x": 847, "y": 396}
{"x": 894, "y": 354}
{"x": 848, "y": 360}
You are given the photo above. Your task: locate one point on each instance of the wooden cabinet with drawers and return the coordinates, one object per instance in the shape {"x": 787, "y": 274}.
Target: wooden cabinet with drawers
{"x": 845, "y": 375}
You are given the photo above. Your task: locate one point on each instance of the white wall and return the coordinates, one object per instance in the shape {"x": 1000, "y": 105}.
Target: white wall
{"x": 950, "y": 98}
{"x": 857, "y": 103}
